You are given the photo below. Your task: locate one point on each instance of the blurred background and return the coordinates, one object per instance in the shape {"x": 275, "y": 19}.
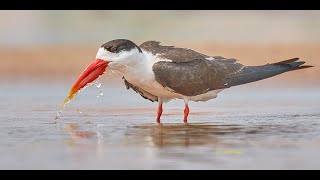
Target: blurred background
{"x": 273, "y": 123}
{"x": 58, "y": 45}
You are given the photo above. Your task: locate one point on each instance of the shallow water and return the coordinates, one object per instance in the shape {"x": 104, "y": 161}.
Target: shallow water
{"x": 246, "y": 127}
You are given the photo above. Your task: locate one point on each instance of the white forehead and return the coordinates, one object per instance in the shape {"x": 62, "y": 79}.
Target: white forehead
{"x": 107, "y": 55}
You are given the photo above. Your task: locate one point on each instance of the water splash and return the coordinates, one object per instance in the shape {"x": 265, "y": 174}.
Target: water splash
{"x": 98, "y": 85}
{"x": 58, "y": 115}
{"x": 101, "y": 93}
{"x": 65, "y": 102}
{"x": 70, "y": 97}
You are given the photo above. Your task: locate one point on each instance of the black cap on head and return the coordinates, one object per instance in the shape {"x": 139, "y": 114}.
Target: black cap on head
{"x": 118, "y": 45}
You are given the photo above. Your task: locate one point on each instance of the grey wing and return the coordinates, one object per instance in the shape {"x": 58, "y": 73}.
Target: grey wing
{"x": 196, "y": 76}
{"x": 190, "y": 73}
{"x": 170, "y": 52}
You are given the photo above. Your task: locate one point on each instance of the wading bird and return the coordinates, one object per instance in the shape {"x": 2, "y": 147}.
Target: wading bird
{"x": 161, "y": 73}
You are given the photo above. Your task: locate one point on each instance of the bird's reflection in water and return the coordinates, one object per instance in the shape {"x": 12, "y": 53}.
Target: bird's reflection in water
{"x": 179, "y": 134}
{"x": 81, "y": 141}
{"x": 194, "y": 134}
{"x": 89, "y": 136}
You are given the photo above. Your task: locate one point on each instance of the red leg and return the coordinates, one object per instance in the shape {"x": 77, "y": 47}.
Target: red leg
{"x": 186, "y": 113}
{"x": 159, "y": 111}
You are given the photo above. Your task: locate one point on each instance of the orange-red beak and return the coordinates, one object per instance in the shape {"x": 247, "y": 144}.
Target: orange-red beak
{"x": 91, "y": 73}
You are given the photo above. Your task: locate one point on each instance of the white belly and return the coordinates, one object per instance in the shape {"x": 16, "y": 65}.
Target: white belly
{"x": 206, "y": 96}
{"x": 151, "y": 86}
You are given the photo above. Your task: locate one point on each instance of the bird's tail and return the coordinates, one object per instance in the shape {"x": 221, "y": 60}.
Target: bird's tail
{"x": 255, "y": 73}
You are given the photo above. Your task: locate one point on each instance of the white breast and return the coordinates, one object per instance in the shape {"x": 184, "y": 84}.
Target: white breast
{"x": 141, "y": 75}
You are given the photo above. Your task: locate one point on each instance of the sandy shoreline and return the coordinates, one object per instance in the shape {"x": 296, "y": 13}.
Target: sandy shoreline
{"x": 68, "y": 61}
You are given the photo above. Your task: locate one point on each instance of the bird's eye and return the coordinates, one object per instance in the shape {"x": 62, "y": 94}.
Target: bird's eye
{"x": 114, "y": 49}
{"x": 109, "y": 48}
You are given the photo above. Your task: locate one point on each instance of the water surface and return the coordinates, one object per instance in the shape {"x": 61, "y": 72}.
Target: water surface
{"x": 244, "y": 128}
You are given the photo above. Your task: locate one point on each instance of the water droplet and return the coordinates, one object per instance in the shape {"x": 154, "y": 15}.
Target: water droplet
{"x": 66, "y": 102}
{"x": 98, "y": 85}
{"x": 101, "y": 93}
{"x": 58, "y": 114}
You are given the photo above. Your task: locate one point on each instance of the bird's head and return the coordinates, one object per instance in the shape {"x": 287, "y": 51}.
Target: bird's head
{"x": 115, "y": 54}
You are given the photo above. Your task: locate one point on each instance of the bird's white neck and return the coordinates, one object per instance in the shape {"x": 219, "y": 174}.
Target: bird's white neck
{"x": 123, "y": 61}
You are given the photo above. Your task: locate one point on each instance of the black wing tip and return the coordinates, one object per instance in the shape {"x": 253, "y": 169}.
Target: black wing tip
{"x": 287, "y": 61}
{"x": 303, "y": 67}
{"x": 294, "y": 63}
